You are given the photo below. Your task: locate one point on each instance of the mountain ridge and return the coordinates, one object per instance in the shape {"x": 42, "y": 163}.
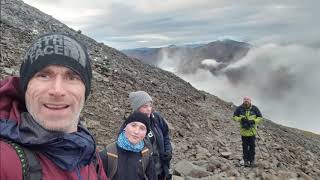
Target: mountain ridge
{"x": 190, "y": 57}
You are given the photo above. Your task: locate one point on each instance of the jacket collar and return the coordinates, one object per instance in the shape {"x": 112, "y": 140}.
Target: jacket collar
{"x": 11, "y": 100}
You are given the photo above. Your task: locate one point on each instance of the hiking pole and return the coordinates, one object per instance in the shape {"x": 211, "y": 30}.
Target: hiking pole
{"x": 257, "y": 142}
{"x": 265, "y": 145}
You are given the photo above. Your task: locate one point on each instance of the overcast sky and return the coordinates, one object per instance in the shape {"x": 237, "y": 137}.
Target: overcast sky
{"x": 124, "y": 24}
{"x": 283, "y": 67}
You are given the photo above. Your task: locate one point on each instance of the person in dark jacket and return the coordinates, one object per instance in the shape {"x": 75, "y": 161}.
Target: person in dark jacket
{"x": 248, "y": 116}
{"x": 127, "y": 160}
{"x": 40, "y": 111}
{"x": 159, "y": 136}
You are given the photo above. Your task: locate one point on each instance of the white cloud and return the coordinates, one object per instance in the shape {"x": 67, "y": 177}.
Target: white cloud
{"x": 152, "y": 36}
{"x": 160, "y": 6}
{"x": 142, "y": 41}
{"x": 283, "y": 81}
{"x": 210, "y": 63}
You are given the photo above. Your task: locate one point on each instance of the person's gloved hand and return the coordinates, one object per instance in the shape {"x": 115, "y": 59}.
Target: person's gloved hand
{"x": 166, "y": 156}
{"x": 244, "y": 119}
{"x": 252, "y": 122}
{"x": 169, "y": 177}
{"x": 246, "y": 124}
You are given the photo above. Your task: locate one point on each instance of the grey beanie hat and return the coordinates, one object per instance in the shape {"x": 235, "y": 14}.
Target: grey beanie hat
{"x": 139, "y": 98}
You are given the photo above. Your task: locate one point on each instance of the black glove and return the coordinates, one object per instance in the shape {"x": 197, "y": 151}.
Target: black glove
{"x": 166, "y": 157}
{"x": 252, "y": 122}
{"x": 244, "y": 119}
{"x": 166, "y": 170}
{"x": 246, "y": 124}
{"x": 169, "y": 177}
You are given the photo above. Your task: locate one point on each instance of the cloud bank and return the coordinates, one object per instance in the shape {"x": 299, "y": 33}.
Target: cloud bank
{"x": 283, "y": 80}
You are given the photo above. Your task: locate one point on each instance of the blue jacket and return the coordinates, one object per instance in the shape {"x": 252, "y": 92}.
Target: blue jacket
{"x": 251, "y": 113}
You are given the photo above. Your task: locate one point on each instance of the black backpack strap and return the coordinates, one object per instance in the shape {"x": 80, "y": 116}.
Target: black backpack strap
{"x": 112, "y": 159}
{"x": 31, "y": 168}
{"x": 95, "y": 162}
{"x": 35, "y": 170}
{"x": 104, "y": 159}
{"x": 145, "y": 154}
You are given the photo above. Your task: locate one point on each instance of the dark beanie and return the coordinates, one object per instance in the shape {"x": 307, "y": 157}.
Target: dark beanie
{"x": 56, "y": 49}
{"x": 138, "y": 117}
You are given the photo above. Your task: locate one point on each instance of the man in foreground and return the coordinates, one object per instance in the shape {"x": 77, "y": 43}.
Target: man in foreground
{"x": 41, "y": 137}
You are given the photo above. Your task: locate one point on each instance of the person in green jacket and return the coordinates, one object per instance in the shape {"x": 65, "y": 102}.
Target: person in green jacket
{"x": 248, "y": 116}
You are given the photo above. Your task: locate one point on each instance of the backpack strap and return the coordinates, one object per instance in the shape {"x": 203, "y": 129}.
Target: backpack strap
{"x": 112, "y": 159}
{"x": 31, "y": 168}
{"x": 95, "y": 162}
{"x": 145, "y": 154}
{"x": 35, "y": 170}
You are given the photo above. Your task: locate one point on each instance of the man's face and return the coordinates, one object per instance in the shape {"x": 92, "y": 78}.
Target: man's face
{"x": 135, "y": 132}
{"x": 146, "y": 109}
{"x": 55, "y": 97}
{"x": 246, "y": 103}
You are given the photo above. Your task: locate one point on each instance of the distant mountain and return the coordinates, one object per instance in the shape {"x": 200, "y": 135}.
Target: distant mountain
{"x": 190, "y": 56}
{"x": 147, "y": 55}
{"x": 151, "y": 55}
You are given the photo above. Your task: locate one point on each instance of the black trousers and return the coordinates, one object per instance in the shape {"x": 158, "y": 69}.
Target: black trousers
{"x": 248, "y": 147}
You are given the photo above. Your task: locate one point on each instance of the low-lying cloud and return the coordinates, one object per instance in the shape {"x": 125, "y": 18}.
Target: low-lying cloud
{"x": 283, "y": 80}
{"x": 210, "y": 63}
